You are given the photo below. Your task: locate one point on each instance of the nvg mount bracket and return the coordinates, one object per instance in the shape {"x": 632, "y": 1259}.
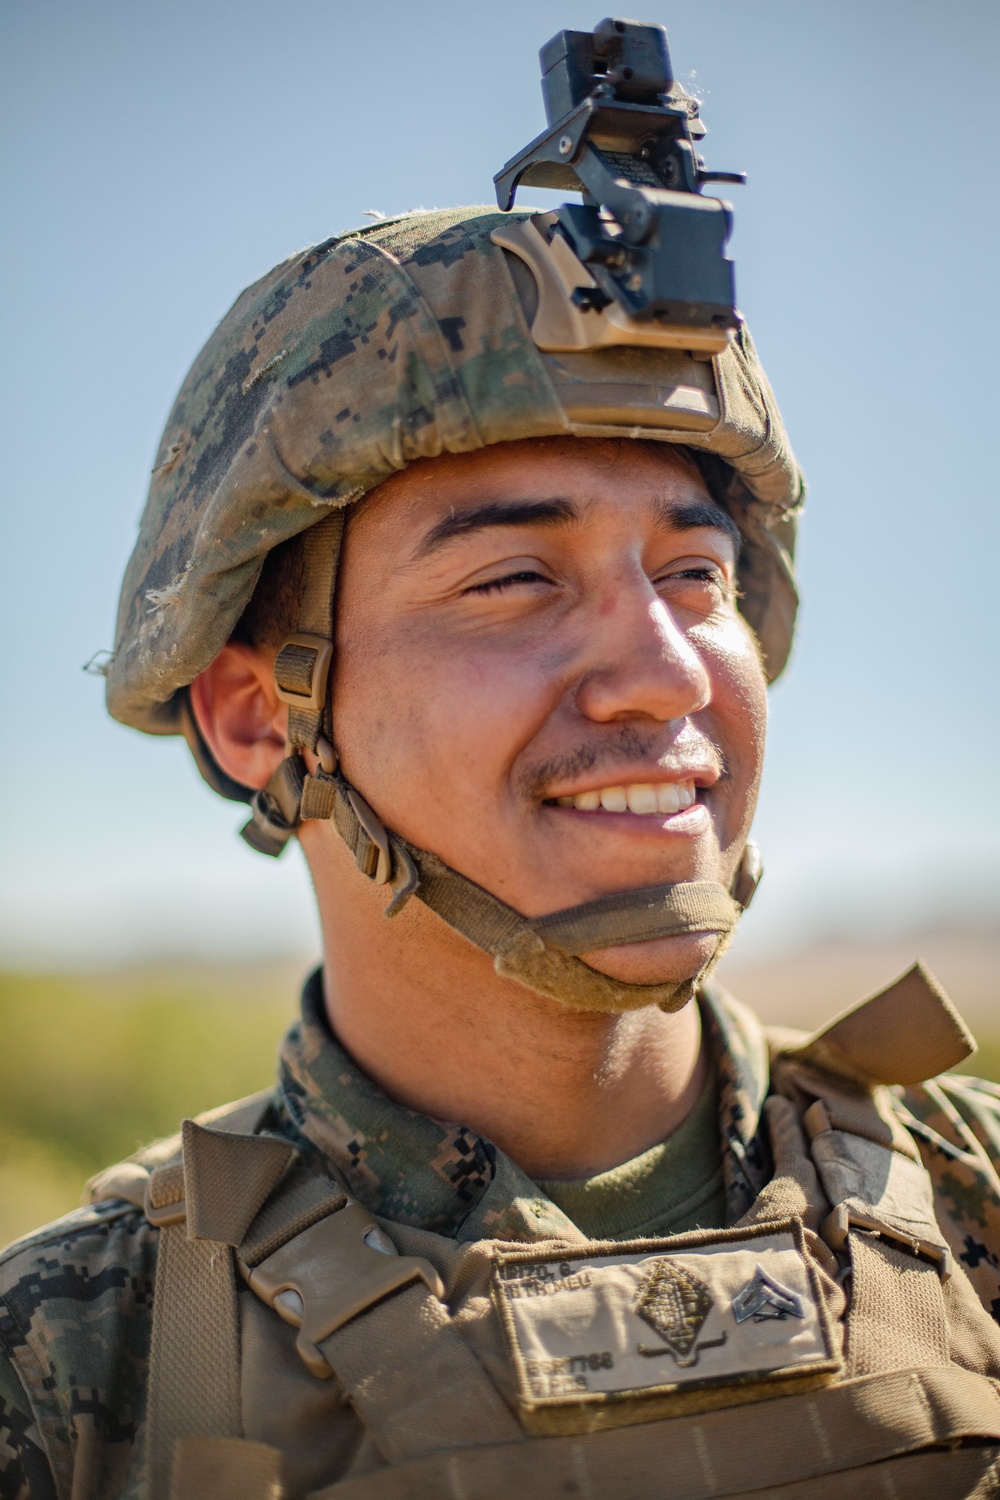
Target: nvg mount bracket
{"x": 649, "y": 246}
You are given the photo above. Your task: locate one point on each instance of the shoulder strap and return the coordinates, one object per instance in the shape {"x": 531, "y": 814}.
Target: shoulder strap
{"x": 909, "y": 1300}
{"x": 194, "y": 1377}
{"x": 194, "y": 1380}
{"x": 237, "y": 1201}
{"x": 128, "y": 1179}
{"x": 374, "y": 1319}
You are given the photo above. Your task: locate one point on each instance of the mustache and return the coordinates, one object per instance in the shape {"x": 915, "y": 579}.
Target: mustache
{"x": 625, "y": 747}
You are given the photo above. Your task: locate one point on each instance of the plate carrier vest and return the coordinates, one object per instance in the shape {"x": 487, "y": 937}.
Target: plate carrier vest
{"x": 903, "y": 1398}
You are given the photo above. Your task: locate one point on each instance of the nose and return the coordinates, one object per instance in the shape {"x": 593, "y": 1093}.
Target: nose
{"x": 644, "y": 666}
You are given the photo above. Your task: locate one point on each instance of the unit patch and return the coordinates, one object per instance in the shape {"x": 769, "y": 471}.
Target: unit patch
{"x": 676, "y": 1304}
{"x": 657, "y": 1326}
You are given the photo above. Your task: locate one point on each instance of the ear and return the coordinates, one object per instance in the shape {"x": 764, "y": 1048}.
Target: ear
{"x": 240, "y": 716}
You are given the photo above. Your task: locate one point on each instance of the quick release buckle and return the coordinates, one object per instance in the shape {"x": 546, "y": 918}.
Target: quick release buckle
{"x": 301, "y": 671}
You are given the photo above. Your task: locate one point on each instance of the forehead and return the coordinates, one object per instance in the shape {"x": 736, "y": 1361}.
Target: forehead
{"x": 620, "y": 473}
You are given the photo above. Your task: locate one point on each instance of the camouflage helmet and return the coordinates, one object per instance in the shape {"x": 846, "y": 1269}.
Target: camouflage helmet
{"x": 401, "y": 341}
{"x": 407, "y": 339}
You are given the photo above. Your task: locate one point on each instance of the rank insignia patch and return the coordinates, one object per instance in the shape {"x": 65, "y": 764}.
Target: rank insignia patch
{"x": 763, "y": 1297}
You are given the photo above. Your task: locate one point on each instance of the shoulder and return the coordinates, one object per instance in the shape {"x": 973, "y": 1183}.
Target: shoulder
{"x": 76, "y": 1302}
{"x": 75, "y": 1320}
{"x": 956, "y": 1123}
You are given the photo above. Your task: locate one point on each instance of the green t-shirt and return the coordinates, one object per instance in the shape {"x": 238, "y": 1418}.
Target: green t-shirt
{"x": 673, "y": 1187}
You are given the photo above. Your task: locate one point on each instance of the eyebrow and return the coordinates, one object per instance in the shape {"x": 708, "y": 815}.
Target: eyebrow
{"x": 494, "y": 513}
{"x": 498, "y": 513}
{"x": 698, "y": 513}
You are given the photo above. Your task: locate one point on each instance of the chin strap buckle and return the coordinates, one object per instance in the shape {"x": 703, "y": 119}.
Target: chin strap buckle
{"x": 276, "y": 808}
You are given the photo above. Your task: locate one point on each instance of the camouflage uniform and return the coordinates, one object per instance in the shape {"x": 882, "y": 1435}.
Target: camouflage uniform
{"x": 338, "y": 369}
{"x": 76, "y": 1297}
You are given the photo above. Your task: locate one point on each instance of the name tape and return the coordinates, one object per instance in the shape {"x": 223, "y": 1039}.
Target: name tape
{"x": 663, "y": 1317}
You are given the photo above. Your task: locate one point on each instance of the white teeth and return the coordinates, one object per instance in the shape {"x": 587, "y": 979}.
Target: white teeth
{"x": 668, "y": 798}
{"x": 643, "y": 797}
{"x": 587, "y": 801}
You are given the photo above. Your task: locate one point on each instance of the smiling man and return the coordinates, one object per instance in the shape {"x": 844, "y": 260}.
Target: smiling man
{"x": 540, "y": 674}
{"x": 534, "y": 1207}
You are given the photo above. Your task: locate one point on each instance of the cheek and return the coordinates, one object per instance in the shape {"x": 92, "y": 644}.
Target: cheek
{"x": 739, "y": 697}
{"x": 424, "y": 720}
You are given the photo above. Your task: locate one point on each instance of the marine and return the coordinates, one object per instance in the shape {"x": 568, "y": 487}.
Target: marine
{"x": 467, "y": 560}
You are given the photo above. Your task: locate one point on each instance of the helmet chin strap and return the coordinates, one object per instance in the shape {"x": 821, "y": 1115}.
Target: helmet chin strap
{"x": 541, "y": 953}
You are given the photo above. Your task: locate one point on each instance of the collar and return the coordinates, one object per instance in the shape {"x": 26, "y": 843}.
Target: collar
{"x": 436, "y": 1175}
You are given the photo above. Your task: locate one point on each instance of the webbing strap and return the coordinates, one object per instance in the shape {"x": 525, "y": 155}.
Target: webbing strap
{"x": 194, "y": 1359}
{"x": 538, "y": 952}
{"x": 897, "y": 1313}
{"x": 748, "y": 1449}
{"x": 321, "y": 546}
{"x": 636, "y": 916}
{"x": 414, "y": 1381}
{"x": 910, "y": 1302}
{"x": 302, "y": 676}
{"x": 224, "y": 1469}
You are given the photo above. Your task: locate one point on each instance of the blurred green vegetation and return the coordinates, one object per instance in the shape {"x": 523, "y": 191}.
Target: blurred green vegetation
{"x": 93, "y": 1066}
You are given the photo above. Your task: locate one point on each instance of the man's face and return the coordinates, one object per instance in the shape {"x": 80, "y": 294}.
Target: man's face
{"x": 542, "y": 677}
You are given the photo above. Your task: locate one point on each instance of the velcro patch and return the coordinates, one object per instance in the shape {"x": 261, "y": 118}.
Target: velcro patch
{"x": 662, "y": 1326}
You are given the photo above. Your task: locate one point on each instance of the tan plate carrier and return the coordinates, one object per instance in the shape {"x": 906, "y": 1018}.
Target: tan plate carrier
{"x": 913, "y": 1409}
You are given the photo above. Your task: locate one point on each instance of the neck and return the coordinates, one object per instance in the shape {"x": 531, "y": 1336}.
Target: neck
{"x": 564, "y": 1093}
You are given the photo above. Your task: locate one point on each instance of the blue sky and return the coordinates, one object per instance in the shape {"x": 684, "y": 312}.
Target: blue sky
{"x": 157, "y": 157}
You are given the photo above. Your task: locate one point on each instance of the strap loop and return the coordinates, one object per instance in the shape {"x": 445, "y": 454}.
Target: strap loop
{"x": 836, "y": 1228}
{"x": 377, "y": 862}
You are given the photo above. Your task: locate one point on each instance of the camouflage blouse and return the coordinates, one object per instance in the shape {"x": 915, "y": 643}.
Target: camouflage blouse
{"x": 76, "y": 1297}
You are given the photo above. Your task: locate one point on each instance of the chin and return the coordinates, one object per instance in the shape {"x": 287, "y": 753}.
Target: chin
{"x": 664, "y": 959}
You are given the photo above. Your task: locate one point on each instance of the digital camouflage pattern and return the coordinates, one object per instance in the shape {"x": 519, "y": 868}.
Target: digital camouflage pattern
{"x": 75, "y": 1298}
{"x": 353, "y": 359}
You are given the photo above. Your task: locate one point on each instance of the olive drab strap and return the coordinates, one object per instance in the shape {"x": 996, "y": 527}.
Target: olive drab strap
{"x": 302, "y": 681}
{"x": 542, "y": 953}
{"x": 194, "y": 1380}
{"x": 194, "y": 1354}
{"x": 194, "y": 1383}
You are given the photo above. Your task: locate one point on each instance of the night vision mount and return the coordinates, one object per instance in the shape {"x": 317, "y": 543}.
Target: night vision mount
{"x": 642, "y": 259}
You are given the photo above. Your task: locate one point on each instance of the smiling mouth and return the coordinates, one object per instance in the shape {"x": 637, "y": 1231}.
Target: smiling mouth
{"x": 644, "y": 798}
